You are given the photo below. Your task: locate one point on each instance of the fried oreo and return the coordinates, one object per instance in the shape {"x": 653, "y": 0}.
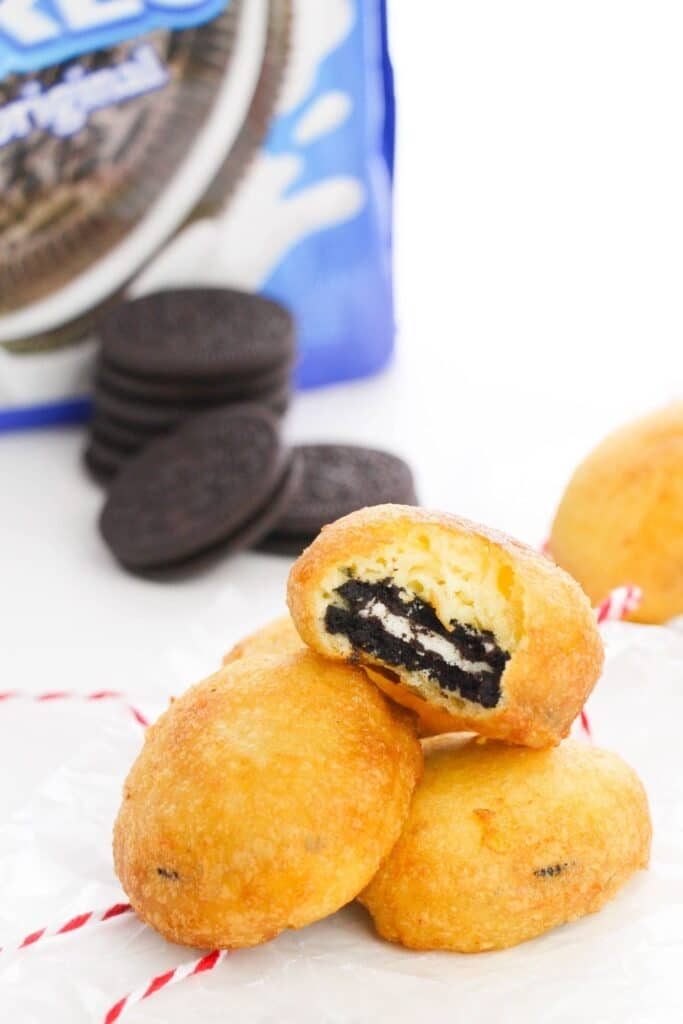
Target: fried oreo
{"x": 620, "y": 520}
{"x": 502, "y": 844}
{"x": 264, "y": 799}
{"x": 478, "y": 625}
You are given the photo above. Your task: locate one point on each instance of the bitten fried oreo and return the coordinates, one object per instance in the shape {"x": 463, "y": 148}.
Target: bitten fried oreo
{"x": 217, "y": 483}
{"x": 620, "y": 520}
{"x": 265, "y": 798}
{"x": 338, "y": 479}
{"x": 480, "y": 626}
{"x": 502, "y": 844}
{"x": 198, "y": 334}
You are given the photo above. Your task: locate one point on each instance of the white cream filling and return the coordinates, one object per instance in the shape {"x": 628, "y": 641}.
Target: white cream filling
{"x": 400, "y": 628}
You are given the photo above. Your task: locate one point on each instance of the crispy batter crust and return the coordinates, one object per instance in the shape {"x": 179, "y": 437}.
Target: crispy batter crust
{"x": 275, "y": 638}
{"x": 502, "y": 844}
{"x": 280, "y": 635}
{"x": 558, "y": 657}
{"x": 265, "y": 798}
{"x": 621, "y": 517}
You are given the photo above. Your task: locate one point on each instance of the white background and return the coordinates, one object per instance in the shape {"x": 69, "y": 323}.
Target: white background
{"x": 540, "y": 228}
{"x": 539, "y": 269}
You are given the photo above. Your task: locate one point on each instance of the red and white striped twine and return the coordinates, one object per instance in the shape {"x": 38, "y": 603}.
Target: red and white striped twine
{"x": 619, "y": 603}
{"x": 57, "y": 695}
{"x": 209, "y": 962}
{"x": 72, "y": 925}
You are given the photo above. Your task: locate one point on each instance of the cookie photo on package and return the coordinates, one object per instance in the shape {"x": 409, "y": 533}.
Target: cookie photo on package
{"x": 190, "y": 144}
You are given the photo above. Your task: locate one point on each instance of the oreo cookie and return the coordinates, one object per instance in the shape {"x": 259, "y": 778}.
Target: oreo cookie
{"x": 207, "y": 335}
{"x": 217, "y": 484}
{"x": 337, "y": 479}
{"x": 153, "y": 418}
{"x": 121, "y": 435}
{"x": 104, "y": 460}
{"x": 288, "y": 547}
{"x": 188, "y": 390}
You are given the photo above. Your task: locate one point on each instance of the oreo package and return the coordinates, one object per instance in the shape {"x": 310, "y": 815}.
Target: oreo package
{"x": 156, "y": 144}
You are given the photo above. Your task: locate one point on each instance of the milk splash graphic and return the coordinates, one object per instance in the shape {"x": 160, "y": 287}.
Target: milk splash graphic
{"x": 262, "y": 221}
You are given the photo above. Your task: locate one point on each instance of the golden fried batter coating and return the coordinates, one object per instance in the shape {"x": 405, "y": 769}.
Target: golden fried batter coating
{"x": 504, "y": 843}
{"x": 486, "y": 630}
{"x": 621, "y": 517}
{"x": 265, "y": 798}
{"x": 281, "y": 635}
{"x": 275, "y": 638}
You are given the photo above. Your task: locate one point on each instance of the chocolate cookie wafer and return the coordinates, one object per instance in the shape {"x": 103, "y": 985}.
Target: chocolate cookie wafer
{"x": 209, "y": 335}
{"x": 146, "y": 416}
{"x": 337, "y": 479}
{"x": 191, "y": 390}
{"x": 111, "y": 431}
{"x": 217, "y": 483}
{"x": 153, "y": 418}
{"x": 104, "y": 460}
{"x": 113, "y": 440}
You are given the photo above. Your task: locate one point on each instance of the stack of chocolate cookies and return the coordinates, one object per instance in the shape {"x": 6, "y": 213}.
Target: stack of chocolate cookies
{"x": 172, "y": 355}
{"x": 186, "y": 433}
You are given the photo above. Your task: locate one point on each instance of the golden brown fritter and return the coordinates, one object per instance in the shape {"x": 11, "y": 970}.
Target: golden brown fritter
{"x": 621, "y": 517}
{"x": 275, "y": 638}
{"x": 265, "y": 798}
{"x": 503, "y": 843}
{"x": 483, "y": 628}
{"x": 281, "y": 635}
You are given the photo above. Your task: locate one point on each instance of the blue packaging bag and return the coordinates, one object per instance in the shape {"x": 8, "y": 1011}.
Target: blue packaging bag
{"x": 246, "y": 143}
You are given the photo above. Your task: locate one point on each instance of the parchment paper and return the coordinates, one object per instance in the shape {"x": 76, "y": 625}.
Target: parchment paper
{"x": 67, "y": 762}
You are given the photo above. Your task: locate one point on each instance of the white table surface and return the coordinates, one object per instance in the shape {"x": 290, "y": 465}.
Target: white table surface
{"x": 538, "y": 274}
